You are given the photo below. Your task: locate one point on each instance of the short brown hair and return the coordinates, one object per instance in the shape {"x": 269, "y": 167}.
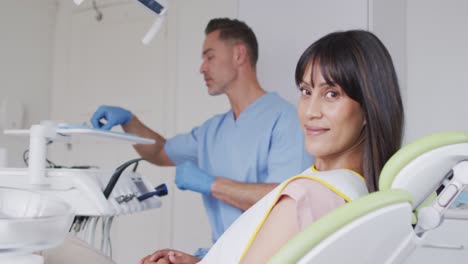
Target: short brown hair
{"x": 236, "y": 31}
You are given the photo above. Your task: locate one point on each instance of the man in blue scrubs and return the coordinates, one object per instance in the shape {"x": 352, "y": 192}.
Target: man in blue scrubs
{"x": 235, "y": 158}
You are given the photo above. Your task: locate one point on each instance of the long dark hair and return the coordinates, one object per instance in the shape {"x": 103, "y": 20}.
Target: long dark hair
{"x": 360, "y": 64}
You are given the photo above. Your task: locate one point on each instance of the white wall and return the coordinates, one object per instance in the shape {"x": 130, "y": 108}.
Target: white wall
{"x": 437, "y": 50}
{"x": 285, "y": 29}
{"x": 27, "y": 30}
{"x": 387, "y": 19}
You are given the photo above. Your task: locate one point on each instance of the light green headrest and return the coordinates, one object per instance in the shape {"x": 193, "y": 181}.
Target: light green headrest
{"x": 411, "y": 151}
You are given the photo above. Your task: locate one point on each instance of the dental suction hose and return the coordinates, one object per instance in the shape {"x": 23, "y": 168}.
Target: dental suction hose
{"x": 115, "y": 177}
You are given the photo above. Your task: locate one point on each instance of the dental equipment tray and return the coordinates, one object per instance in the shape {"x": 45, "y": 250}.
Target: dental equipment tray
{"x": 70, "y": 132}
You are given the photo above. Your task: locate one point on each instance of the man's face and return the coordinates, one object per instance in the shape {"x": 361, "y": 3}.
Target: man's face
{"x": 218, "y": 65}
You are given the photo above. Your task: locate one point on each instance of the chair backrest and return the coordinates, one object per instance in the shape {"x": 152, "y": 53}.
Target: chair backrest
{"x": 421, "y": 166}
{"x": 367, "y": 230}
{"x": 377, "y": 228}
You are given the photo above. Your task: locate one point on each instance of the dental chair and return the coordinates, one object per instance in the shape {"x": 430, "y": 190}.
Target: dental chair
{"x": 423, "y": 179}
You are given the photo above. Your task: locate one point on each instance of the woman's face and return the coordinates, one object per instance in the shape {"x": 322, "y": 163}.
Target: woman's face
{"x": 333, "y": 122}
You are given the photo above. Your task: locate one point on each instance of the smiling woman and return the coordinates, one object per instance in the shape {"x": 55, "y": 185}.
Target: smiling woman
{"x": 352, "y": 116}
{"x": 349, "y": 78}
{"x": 333, "y": 123}
{"x": 351, "y": 113}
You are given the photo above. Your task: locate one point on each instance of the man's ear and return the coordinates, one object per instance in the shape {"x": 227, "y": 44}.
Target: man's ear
{"x": 240, "y": 54}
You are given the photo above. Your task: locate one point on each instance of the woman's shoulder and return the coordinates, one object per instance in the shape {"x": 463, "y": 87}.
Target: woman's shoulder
{"x": 303, "y": 187}
{"x": 347, "y": 184}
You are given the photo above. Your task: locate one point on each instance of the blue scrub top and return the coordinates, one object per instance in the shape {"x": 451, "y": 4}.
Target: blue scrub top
{"x": 264, "y": 145}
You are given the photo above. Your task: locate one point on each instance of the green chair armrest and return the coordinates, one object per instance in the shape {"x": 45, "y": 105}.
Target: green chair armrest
{"x": 303, "y": 242}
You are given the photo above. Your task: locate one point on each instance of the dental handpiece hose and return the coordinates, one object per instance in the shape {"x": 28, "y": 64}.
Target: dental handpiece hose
{"x": 115, "y": 177}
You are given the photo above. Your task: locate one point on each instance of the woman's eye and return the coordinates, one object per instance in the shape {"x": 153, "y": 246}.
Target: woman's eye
{"x": 331, "y": 94}
{"x": 304, "y": 91}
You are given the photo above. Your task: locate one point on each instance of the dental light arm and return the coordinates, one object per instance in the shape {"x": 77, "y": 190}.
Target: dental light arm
{"x": 161, "y": 11}
{"x": 159, "y": 7}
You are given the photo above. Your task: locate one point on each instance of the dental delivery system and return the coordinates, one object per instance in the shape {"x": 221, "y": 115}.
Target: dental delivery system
{"x": 48, "y": 197}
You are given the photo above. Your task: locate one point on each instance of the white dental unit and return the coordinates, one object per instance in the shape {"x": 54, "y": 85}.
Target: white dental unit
{"x": 30, "y": 222}
{"x": 49, "y": 197}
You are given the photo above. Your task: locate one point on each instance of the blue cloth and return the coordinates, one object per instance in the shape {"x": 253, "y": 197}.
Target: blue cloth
{"x": 264, "y": 145}
{"x": 201, "y": 252}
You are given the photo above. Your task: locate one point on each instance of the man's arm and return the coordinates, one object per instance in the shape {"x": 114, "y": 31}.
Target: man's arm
{"x": 153, "y": 153}
{"x": 238, "y": 194}
{"x": 107, "y": 117}
{"x": 285, "y": 160}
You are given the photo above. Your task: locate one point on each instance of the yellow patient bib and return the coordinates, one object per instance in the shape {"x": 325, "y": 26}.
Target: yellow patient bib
{"x": 233, "y": 244}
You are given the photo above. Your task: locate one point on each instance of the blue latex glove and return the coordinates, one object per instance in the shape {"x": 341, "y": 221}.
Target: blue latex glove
{"x": 190, "y": 177}
{"x": 113, "y": 115}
